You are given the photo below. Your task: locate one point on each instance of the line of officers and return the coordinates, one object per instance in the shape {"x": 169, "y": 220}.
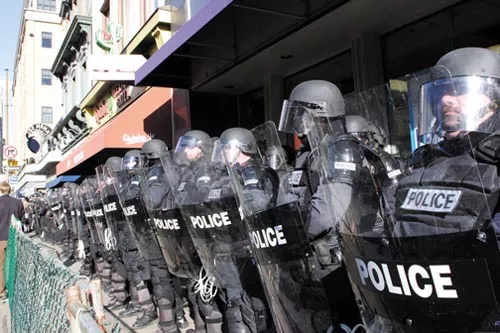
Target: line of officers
{"x": 345, "y": 237}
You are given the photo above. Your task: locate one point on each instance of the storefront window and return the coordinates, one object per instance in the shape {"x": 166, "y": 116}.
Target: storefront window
{"x": 420, "y": 44}
{"x": 251, "y": 108}
{"x": 337, "y": 70}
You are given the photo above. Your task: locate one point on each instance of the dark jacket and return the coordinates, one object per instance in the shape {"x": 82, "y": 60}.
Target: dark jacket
{"x": 9, "y": 206}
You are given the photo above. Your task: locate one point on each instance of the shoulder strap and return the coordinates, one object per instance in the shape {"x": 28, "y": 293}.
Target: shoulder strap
{"x": 488, "y": 149}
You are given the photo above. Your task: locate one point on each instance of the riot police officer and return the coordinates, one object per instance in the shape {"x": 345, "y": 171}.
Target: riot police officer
{"x": 84, "y": 238}
{"x": 261, "y": 183}
{"x": 277, "y": 234}
{"x": 387, "y": 170}
{"x": 155, "y": 188}
{"x": 445, "y": 212}
{"x": 68, "y": 208}
{"x": 114, "y": 224}
{"x": 315, "y": 109}
{"x": 191, "y": 160}
{"x": 128, "y": 189}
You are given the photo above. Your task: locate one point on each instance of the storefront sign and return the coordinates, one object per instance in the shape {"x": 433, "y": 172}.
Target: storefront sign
{"x": 131, "y": 139}
{"x": 37, "y": 135}
{"x": 112, "y": 67}
{"x": 109, "y": 105}
{"x": 107, "y": 39}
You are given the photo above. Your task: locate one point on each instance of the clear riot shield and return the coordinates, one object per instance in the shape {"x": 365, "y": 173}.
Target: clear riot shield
{"x": 433, "y": 268}
{"x": 128, "y": 189}
{"x": 83, "y": 227}
{"x": 56, "y": 217}
{"x": 167, "y": 221}
{"x": 279, "y": 242}
{"x": 111, "y": 208}
{"x": 208, "y": 205}
{"x": 93, "y": 211}
{"x": 71, "y": 199}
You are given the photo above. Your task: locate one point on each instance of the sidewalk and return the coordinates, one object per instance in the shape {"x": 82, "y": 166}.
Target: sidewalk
{"x": 4, "y": 317}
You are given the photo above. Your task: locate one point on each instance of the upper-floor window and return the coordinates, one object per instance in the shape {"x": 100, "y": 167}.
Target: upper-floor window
{"x": 46, "y": 77}
{"x": 46, "y": 115}
{"x": 47, "y": 39}
{"x": 48, "y": 5}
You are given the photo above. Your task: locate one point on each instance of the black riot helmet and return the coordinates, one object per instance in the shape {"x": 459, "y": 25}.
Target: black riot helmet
{"x": 275, "y": 157}
{"x": 378, "y": 136}
{"x": 320, "y": 98}
{"x": 193, "y": 138}
{"x": 154, "y": 149}
{"x": 132, "y": 160}
{"x": 460, "y": 94}
{"x": 114, "y": 163}
{"x": 237, "y": 140}
{"x": 358, "y": 127}
{"x": 194, "y": 145}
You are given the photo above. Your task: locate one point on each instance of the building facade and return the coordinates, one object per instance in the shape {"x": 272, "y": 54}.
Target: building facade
{"x": 243, "y": 57}
{"x": 117, "y": 115}
{"x": 37, "y": 97}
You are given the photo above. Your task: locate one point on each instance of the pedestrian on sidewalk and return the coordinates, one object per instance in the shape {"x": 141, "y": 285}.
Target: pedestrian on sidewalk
{"x": 8, "y": 206}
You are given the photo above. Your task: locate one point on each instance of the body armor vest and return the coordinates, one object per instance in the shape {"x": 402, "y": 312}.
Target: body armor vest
{"x": 447, "y": 195}
{"x": 303, "y": 181}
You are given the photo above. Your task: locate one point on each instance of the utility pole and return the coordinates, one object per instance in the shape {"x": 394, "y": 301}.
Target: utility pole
{"x": 6, "y": 106}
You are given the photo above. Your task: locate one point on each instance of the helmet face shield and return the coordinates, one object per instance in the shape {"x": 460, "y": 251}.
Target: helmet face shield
{"x": 186, "y": 142}
{"x": 231, "y": 150}
{"x": 460, "y": 103}
{"x": 218, "y": 154}
{"x": 189, "y": 148}
{"x": 450, "y": 106}
{"x": 131, "y": 163}
{"x": 292, "y": 115}
{"x": 274, "y": 161}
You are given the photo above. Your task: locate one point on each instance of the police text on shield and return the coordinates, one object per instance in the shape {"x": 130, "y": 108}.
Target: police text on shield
{"x": 414, "y": 279}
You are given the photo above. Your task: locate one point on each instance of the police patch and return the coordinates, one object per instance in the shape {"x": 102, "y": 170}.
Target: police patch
{"x": 394, "y": 173}
{"x": 295, "y": 178}
{"x": 345, "y": 166}
{"x": 214, "y": 194}
{"x": 431, "y": 200}
{"x": 204, "y": 179}
{"x": 252, "y": 181}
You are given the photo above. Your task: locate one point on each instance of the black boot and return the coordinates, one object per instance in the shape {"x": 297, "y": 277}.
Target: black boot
{"x": 133, "y": 308}
{"x": 211, "y": 315}
{"x": 234, "y": 318}
{"x": 147, "y": 318}
{"x": 115, "y": 304}
{"x": 167, "y": 322}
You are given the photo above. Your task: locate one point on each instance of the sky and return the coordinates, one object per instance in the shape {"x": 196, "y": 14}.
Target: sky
{"x": 10, "y": 18}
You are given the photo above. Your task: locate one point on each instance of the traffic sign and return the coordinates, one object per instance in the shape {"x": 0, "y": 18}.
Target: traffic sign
{"x": 13, "y": 180}
{"x": 10, "y": 152}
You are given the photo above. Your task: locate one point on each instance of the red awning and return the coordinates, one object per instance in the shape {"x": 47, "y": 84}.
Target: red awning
{"x": 124, "y": 131}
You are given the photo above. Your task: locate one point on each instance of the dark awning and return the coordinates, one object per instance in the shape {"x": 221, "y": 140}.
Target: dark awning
{"x": 62, "y": 179}
{"x": 223, "y": 34}
{"x": 231, "y": 46}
